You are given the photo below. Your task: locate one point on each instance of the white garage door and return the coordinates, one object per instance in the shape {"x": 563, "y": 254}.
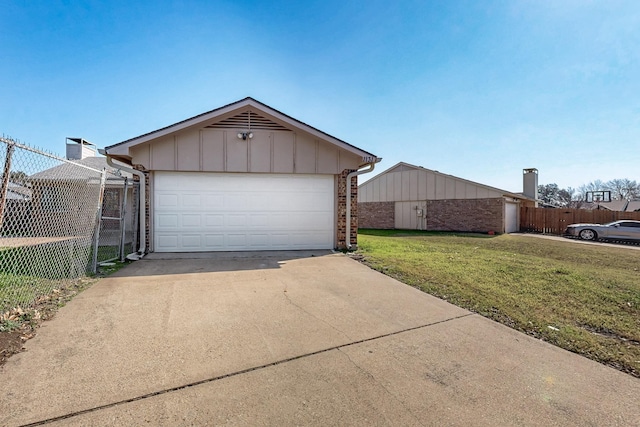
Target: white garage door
{"x": 196, "y": 212}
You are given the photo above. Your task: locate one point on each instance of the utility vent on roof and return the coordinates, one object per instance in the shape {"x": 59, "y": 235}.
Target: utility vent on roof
{"x": 249, "y": 121}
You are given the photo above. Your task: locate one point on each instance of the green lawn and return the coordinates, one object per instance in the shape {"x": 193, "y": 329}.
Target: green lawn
{"x": 583, "y": 298}
{"x": 27, "y": 273}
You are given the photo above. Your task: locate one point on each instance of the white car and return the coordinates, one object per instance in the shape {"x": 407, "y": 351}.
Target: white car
{"x": 618, "y": 230}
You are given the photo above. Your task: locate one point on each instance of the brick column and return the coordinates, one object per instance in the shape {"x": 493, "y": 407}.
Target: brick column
{"x": 147, "y": 201}
{"x": 342, "y": 210}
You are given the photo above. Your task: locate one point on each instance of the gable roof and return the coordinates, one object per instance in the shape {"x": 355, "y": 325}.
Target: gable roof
{"x": 402, "y": 166}
{"x": 634, "y": 205}
{"x": 623, "y": 205}
{"x": 614, "y": 205}
{"x": 246, "y": 114}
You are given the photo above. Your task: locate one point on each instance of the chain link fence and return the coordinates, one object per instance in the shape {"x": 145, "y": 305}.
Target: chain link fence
{"x": 52, "y": 230}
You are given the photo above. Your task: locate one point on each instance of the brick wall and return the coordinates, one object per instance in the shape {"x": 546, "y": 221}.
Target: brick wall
{"x": 341, "y": 228}
{"x": 147, "y": 203}
{"x": 380, "y": 215}
{"x": 480, "y": 215}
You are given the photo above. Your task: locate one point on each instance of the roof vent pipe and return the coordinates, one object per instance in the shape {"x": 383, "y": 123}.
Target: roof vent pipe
{"x": 348, "y": 219}
{"x": 143, "y": 218}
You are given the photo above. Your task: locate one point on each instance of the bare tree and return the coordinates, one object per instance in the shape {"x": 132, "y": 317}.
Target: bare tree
{"x": 620, "y": 188}
{"x": 623, "y": 189}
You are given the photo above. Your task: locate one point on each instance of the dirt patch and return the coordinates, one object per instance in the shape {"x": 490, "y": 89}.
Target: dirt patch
{"x": 10, "y": 343}
{"x": 20, "y": 324}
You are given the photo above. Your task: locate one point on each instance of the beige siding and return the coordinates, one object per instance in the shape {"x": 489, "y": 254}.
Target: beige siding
{"x": 348, "y": 160}
{"x": 397, "y": 187}
{"x": 260, "y": 152}
{"x": 388, "y": 194}
{"x": 422, "y": 185}
{"x": 404, "y": 184}
{"x": 440, "y": 188}
{"x": 140, "y": 155}
{"x": 188, "y": 151}
{"x": 213, "y": 156}
{"x": 213, "y": 150}
{"x": 237, "y": 152}
{"x": 327, "y": 158}
{"x": 305, "y": 154}
{"x": 163, "y": 154}
{"x": 413, "y": 185}
{"x": 406, "y": 215}
{"x": 375, "y": 190}
{"x": 283, "y": 152}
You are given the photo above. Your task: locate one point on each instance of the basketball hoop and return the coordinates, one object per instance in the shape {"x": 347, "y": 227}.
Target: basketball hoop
{"x": 598, "y": 196}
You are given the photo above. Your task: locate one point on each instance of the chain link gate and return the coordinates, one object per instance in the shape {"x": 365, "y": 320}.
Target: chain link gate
{"x": 116, "y": 236}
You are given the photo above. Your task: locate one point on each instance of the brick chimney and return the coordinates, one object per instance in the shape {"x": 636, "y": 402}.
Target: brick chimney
{"x": 530, "y": 183}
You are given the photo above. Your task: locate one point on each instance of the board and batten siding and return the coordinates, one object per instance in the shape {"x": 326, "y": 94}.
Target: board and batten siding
{"x": 414, "y": 184}
{"x": 217, "y": 150}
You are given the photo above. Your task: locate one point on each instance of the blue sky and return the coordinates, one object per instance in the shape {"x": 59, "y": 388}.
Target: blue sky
{"x": 475, "y": 89}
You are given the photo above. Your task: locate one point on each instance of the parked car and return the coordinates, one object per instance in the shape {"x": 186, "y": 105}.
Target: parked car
{"x": 617, "y": 230}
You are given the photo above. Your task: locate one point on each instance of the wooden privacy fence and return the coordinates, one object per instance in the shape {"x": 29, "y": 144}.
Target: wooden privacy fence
{"x": 555, "y": 221}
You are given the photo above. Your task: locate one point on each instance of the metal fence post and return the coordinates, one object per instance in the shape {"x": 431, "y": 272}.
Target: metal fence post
{"x": 96, "y": 233}
{"x": 5, "y": 181}
{"x": 123, "y": 218}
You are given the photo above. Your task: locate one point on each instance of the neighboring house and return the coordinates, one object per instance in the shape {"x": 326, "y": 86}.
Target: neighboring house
{"x": 17, "y": 191}
{"x": 61, "y": 195}
{"x": 412, "y": 197}
{"x": 16, "y": 211}
{"x": 245, "y": 177}
{"x": 619, "y": 205}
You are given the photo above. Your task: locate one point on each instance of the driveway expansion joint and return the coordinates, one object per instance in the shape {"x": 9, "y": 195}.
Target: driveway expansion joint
{"x": 290, "y": 301}
{"x": 233, "y": 374}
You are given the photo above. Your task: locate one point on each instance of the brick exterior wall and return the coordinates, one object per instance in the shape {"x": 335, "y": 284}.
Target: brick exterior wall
{"x": 341, "y": 226}
{"x": 380, "y": 215}
{"x": 477, "y": 215}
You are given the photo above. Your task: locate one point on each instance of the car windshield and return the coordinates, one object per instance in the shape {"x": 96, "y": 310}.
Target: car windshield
{"x": 611, "y": 223}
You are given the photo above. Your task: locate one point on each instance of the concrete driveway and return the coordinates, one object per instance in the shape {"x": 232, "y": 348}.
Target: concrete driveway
{"x": 293, "y": 339}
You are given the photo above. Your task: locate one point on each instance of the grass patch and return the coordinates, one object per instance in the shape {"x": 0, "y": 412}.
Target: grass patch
{"x": 588, "y": 295}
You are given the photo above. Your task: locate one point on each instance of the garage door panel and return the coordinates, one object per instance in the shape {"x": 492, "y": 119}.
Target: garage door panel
{"x": 166, "y": 241}
{"x": 214, "y": 241}
{"x": 168, "y": 200}
{"x": 236, "y": 241}
{"x": 167, "y": 221}
{"x": 191, "y": 241}
{"x": 213, "y": 220}
{"x": 191, "y": 200}
{"x": 189, "y": 220}
{"x": 213, "y": 201}
{"x": 215, "y": 212}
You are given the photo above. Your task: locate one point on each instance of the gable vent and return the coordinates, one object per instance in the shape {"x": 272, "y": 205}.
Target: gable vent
{"x": 249, "y": 121}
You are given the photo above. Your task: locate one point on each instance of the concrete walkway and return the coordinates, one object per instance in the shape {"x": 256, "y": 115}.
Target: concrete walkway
{"x": 623, "y": 245}
{"x": 293, "y": 339}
